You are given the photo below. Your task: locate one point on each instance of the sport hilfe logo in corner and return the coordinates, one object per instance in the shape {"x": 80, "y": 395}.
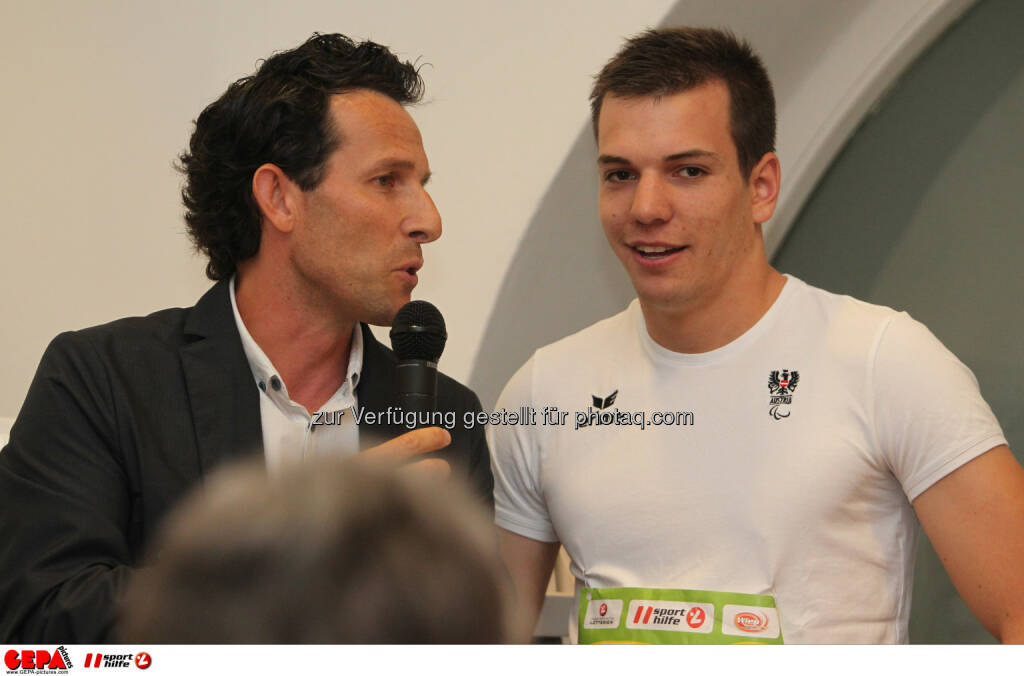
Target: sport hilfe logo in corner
{"x": 142, "y": 660}
{"x": 38, "y": 661}
{"x": 780, "y": 389}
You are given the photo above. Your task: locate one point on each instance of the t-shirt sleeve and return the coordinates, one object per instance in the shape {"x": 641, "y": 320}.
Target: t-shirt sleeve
{"x": 519, "y": 504}
{"x": 930, "y": 417}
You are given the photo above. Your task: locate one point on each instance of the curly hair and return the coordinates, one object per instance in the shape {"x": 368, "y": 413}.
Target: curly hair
{"x": 279, "y": 115}
{"x": 672, "y": 60}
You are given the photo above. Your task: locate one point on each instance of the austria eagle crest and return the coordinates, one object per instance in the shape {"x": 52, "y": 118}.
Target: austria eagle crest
{"x": 783, "y": 384}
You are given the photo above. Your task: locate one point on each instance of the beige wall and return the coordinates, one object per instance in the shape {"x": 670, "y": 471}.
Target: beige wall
{"x": 99, "y": 97}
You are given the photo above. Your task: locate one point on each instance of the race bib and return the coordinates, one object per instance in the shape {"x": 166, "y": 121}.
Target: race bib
{"x": 637, "y": 615}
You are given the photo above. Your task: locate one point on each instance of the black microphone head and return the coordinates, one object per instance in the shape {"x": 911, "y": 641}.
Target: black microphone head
{"x": 418, "y": 332}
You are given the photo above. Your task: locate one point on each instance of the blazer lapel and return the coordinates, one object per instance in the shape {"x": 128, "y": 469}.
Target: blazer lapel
{"x": 222, "y": 395}
{"x": 376, "y": 391}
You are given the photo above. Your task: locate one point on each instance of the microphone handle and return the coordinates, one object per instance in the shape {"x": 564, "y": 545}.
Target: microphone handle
{"x": 416, "y": 383}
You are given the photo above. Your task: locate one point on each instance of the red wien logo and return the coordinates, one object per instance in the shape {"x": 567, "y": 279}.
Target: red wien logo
{"x": 603, "y": 610}
{"x": 34, "y": 659}
{"x": 752, "y": 623}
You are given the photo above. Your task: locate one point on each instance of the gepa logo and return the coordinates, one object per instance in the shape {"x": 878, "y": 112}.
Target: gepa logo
{"x": 37, "y": 661}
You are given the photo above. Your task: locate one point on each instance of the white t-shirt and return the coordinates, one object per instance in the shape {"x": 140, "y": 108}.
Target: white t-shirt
{"x": 806, "y": 440}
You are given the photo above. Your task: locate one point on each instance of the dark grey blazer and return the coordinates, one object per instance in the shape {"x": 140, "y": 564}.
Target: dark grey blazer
{"x": 119, "y": 422}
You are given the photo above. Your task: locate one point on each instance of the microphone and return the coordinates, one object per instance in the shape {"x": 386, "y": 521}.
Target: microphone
{"x": 418, "y": 336}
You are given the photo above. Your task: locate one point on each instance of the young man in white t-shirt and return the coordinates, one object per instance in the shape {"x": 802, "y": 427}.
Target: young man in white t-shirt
{"x": 745, "y": 456}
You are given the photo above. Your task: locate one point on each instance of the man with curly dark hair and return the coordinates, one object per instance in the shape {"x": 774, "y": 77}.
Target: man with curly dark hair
{"x": 305, "y": 187}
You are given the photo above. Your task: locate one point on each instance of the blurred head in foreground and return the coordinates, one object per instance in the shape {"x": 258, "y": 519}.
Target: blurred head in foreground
{"x": 326, "y": 552}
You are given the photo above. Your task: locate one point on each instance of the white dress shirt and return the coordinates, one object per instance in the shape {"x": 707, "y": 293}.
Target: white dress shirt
{"x": 290, "y": 433}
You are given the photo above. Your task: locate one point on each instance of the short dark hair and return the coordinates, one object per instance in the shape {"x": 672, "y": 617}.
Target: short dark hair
{"x": 325, "y": 551}
{"x": 278, "y": 115}
{"x": 672, "y": 60}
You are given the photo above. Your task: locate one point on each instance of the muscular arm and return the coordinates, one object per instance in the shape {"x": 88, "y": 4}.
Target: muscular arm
{"x": 974, "y": 518}
{"x": 530, "y": 563}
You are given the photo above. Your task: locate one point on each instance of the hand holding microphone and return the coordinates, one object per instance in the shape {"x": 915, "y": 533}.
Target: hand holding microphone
{"x": 418, "y": 336}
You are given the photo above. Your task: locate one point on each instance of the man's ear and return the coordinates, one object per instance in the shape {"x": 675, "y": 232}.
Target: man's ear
{"x": 765, "y": 181}
{"x": 277, "y": 197}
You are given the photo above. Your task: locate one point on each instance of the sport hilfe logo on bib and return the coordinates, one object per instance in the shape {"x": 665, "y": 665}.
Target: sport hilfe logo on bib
{"x": 639, "y": 615}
